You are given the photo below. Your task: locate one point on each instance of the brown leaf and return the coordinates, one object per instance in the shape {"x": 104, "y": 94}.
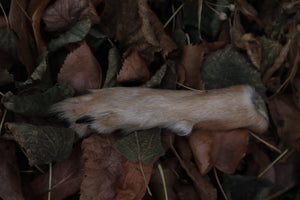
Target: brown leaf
{"x": 191, "y": 59}
{"x": 133, "y": 185}
{"x": 134, "y": 68}
{"x": 67, "y": 176}
{"x": 286, "y": 117}
{"x": 249, "y": 11}
{"x": 203, "y": 187}
{"x": 134, "y": 24}
{"x": 169, "y": 167}
{"x": 19, "y": 23}
{"x": 63, "y": 14}
{"x": 81, "y": 69}
{"x": 102, "y": 168}
{"x": 35, "y": 10}
{"x": 222, "y": 150}
{"x": 253, "y": 47}
{"x": 10, "y": 184}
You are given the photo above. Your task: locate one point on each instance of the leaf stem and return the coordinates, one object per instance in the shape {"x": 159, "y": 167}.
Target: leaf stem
{"x": 266, "y": 143}
{"x": 50, "y": 181}
{"x": 173, "y": 15}
{"x": 142, "y": 170}
{"x": 273, "y": 163}
{"x": 161, "y": 171}
{"x": 219, "y": 184}
{"x": 2, "y": 120}
{"x": 5, "y": 16}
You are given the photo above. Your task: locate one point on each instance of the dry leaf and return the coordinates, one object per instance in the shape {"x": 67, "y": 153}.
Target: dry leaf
{"x": 133, "y": 185}
{"x": 63, "y": 14}
{"x": 102, "y": 168}
{"x": 191, "y": 59}
{"x": 134, "y": 24}
{"x": 253, "y": 47}
{"x": 286, "y": 117}
{"x": 222, "y": 150}
{"x": 81, "y": 69}
{"x": 35, "y": 10}
{"x": 134, "y": 68}
{"x": 67, "y": 176}
{"x": 18, "y": 23}
{"x": 10, "y": 184}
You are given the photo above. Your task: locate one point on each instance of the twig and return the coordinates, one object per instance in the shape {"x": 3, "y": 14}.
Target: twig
{"x": 273, "y": 163}
{"x": 142, "y": 170}
{"x": 163, "y": 180}
{"x": 200, "y": 5}
{"x": 2, "y": 120}
{"x": 173, "y": 15}
{"x": 266, "y": 143}
{"x": 219, "y": 184}
{"x": 189, "y": 88}
{"x": 36, "y": 166}
{"x": 24, "y": 12}
{"x": 50, "y": 181}
{"x": 2, "y": 94}
{"x": 5, "y": 16}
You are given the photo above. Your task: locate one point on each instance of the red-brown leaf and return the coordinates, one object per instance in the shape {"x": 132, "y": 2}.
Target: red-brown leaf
{"x": 81, "y": 69}
{"x": 222, "y": 150}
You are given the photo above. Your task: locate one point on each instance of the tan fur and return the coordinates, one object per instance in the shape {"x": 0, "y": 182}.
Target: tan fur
{"x": 130, "y": 109}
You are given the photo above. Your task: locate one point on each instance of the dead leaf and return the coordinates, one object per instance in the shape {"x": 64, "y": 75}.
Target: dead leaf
{"x": 114, "y": 65}
{"x": 10, "y": 185}
{"x": 286, "y": 117}
{"x": 191, "y": 59}
{"x": 35, "y": 10}
{"x": 133, "y": 24}
{"x": 170, "y": 170}
{"x": 37, "y": 104}
{"x": 133, "y": 186}
{"x": 156, "y": 79}
{"x": 5, "y": 77}
{"x": 102, "y": 168}
{"x": 81, "y": 69}
{"x": 253, "y": 48}
{"x": 43, "y": 144}
{"x": 134, "y": 68}
{"x": 249, "y": 11}
{"x": 222, "y": 150}
{"x": 19, "y": 23}
{"x": 203, "y": 187}
{"x": 67, "y": 176}
{"x": 64, "y": 14}
{"x": 141, "y": 146}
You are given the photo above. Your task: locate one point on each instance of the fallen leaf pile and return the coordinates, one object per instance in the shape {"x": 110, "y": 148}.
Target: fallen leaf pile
{"x": 52, "y": 50}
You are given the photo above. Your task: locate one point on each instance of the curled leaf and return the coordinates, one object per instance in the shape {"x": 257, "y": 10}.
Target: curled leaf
{"x": 43, "y": 144}
{"x": 37, "y": 104}
{"x": 114, "y": 64}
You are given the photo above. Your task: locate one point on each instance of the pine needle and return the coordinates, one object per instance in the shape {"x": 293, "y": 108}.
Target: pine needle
{"x": 161, "y": 171}
{"x": 219, "y": 184}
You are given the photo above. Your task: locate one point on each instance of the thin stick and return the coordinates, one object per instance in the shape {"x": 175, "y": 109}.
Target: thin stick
{"x": 174, "y": 14}
{"x": 36, "y": 166}
{"x": 24, "y": 12}
{"x": 5, "y": 16}
{"x": 219, "y": 184}
{"x": 2, "y": 94}
{"x": 142, "y": 170}
{"x": 266, "y": 143}
{"x": 2, "y": 120}
{"x": 50, "y": 181}
{"x": 189, "y": 88}
{"x": 273, "y": 163}
{"x": 200, "y": 5}
{"x": 163, "y": 180}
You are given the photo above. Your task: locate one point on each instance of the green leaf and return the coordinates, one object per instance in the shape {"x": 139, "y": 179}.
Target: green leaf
{"x": 37, "y": 104}
{"x": 142, "y": 146}
{"x": 269, "y": 52}
{"x": 43, "y": 144}
{"x": 8, "y": 42}
{"x": 75, "y": 34}
{"x": 246, "y": 187}
{"x": 157, "y": 77}
{"x": 40, "y": 74}
{"x": 227, "y": 67}
{"x": 114, "y": 65}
